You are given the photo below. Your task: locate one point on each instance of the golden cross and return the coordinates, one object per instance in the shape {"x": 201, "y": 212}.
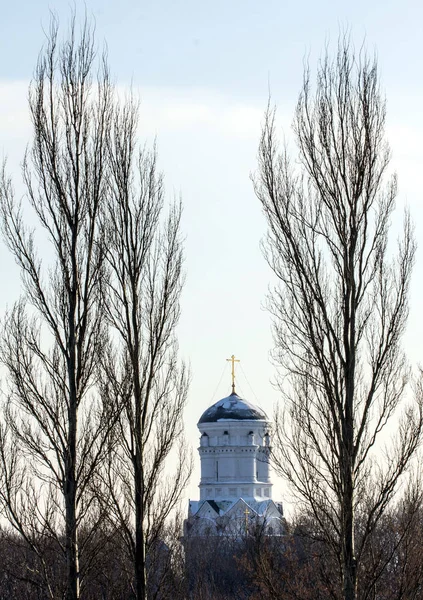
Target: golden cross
{"x": 233, "y": 360}
{"x": 246, "y": 513}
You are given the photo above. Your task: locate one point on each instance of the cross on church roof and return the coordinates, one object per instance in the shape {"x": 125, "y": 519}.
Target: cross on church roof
{"x": 233, "y": 360}
{"x": 246, "y": 513}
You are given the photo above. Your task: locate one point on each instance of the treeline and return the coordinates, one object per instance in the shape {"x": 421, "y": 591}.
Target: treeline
{"x": 298, "y": 565}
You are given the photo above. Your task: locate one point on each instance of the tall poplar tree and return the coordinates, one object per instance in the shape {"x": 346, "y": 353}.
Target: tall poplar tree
{"x": 144, "y": 255}
{"x": 340, "y": 308}
{"x": 53, "y": 339}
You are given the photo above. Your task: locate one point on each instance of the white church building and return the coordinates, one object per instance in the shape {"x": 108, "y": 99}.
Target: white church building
{"x": 235, "y": 485}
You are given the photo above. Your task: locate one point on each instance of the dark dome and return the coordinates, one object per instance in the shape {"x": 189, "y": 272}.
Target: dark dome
{"x": 232, "y": 408}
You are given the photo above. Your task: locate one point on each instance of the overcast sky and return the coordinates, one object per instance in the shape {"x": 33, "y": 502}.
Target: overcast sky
{"x": 203, "y": 71}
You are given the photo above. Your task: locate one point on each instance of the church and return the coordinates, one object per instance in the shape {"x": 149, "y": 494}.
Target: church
{"x": 235, "y": 485}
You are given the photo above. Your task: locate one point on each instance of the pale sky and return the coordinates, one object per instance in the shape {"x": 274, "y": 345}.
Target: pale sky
{"x": 203, "y": 71}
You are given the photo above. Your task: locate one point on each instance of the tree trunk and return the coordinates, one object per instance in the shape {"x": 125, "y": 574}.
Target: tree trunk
{"x": 140, "y": 570}
{"x": 72, "y": 559}
{"x": 348, "y": 558}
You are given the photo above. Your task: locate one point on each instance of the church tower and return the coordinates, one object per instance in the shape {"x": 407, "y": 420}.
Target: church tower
{"x": 235, "y": 485}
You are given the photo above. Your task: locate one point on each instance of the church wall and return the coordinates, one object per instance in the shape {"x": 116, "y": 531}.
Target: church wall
{"x": 233, "y": 460}
{"x": 263, "y": 473}
{"x": 247, "y": 467}
{"x": 208, "y": 468}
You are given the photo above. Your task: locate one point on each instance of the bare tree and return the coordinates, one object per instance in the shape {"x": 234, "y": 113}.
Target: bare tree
{"x": 145, "y": 258}
{"x": 340, "y": 307}
{"x": 53, "y": 339}
{"x": 392, "y": 567}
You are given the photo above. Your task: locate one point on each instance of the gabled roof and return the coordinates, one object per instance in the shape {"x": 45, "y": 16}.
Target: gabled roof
{"x": 208, "y": 508}
{"x": 227, "y": 507}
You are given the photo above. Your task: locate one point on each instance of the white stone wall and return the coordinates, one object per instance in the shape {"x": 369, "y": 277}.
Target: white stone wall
{"x": 234, "y": 461}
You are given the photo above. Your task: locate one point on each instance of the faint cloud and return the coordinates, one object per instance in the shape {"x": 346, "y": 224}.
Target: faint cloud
{"x": 162, "y": 110}
{"x": 170, "y": 109}
{"x": 14, "y": 115}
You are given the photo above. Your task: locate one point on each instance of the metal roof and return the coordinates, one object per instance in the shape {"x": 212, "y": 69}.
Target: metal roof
{"x": 232, "y": 408}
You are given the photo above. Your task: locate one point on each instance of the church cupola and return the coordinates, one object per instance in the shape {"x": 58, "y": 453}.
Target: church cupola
{"x": 234, "y": 454}
{"x": 234, "y": 461}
